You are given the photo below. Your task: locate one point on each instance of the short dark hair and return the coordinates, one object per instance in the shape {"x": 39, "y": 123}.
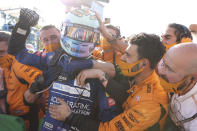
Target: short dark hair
{"x": 180, "y": 31}
{"x": 49, "y": 27}
{"x": 4, "y": 36}
{"x": 149, "y": 47}
{"x": 114, "y": 28}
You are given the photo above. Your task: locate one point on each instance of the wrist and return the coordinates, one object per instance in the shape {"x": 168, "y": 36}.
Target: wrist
{"x": 69, "y": 119}
{"x": 104, "y": 79}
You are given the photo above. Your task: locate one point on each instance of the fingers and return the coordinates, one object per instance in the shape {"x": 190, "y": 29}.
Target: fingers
{"x": 78, "y": 78}
{"x": 61, "y": 101}
{"x": 63, "y": 105}
{"x": 52, "y": 111}
{"x": 59, "y": 112}
{"x": 81, "y": 79}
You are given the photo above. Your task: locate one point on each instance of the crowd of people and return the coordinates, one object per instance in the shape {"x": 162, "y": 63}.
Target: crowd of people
{"x": 90, "y": 78}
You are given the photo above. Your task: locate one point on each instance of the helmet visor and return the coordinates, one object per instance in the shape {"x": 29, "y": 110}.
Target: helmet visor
{"x": 82, "y": 34}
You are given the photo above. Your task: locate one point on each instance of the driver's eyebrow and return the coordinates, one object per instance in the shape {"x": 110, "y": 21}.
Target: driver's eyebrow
{"x": 167, "y": 66}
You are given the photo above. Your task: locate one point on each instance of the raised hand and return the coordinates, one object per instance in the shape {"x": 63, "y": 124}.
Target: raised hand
{"x": 28, "y": 17}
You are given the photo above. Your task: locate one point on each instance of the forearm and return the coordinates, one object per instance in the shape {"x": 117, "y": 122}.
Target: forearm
{"x": 29, "y": 97}
{"x": 105, "y": 67}
{"x": 28, "y": 18}
{"x": 116, "y": 44}
{"x": 18, "y": 38}
{"x": 116, "y": 87}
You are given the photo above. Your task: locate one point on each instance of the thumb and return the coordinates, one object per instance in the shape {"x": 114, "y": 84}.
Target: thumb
{"x": 61, "y": 101}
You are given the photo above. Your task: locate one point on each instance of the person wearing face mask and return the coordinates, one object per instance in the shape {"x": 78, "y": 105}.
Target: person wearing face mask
{"x": 111, "y": 38}
{"x": 50, "y": 38}
{"x": 178, "y": 75}
{"x": 175, "y": 34}
{"x": 144, "y": 102}
{"x": 4, "y": 37}
{"x": 17, "y": 79}
{"x": 80, "y": 36}
{"x": 107, "y": 53}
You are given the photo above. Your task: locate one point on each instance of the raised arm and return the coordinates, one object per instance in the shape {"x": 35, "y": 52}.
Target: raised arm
{"x": 116, "y": 43}
{"x": 27, "y": 19}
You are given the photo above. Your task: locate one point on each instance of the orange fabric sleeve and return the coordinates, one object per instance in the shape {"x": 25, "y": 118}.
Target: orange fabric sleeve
{"x": 28, "y": 73}
{"x": 138, "y": 117}
{"x": 97, "y": 54}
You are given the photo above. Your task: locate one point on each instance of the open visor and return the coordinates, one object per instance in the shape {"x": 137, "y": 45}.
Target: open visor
{"x": 82, "y": 33}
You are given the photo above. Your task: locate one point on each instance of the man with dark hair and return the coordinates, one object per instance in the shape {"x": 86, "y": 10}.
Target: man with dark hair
{"x": 18, "y": 78}
{"x": 106, "y": 52}
{"x": 50, "y": 38}
{"x": 175, "y": 34}
{"x": 116, "y": 29}
{"x": 60, "y": 67}
{"x": 114, "y": 40}
{"x": 144, "y": 102}
{"x": 148, "y": 48}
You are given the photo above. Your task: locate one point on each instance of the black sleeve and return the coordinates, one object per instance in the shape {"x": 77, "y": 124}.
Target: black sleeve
{"x": 82, "y": 123}
{"x": 117, "y": 91}
{"x": 18, "y": 38}
{"x": 118, "y": 86}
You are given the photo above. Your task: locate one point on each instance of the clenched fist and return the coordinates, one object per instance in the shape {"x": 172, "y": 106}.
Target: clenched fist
{"x": 28, "y": 17}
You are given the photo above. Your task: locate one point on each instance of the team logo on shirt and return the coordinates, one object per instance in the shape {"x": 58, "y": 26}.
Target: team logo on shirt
{"x": 85, "y": 91}
{"x": 111, "y": 102}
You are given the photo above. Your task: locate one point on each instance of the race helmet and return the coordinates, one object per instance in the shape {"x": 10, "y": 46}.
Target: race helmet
{"x": 80, "y": 33}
